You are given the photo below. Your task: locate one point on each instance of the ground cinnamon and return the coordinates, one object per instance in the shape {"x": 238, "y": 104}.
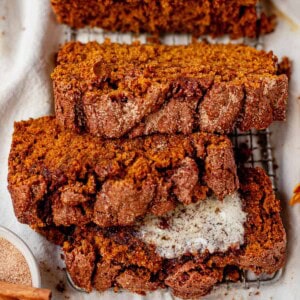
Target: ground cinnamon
{"x": 13, "y": 266}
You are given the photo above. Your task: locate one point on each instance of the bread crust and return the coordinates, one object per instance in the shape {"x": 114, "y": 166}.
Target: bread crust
{"x": 235, "y": 17}
{"x": 135, "y": 266}
{"x": 112, "y": 90}
{"x": 57, "y": 177}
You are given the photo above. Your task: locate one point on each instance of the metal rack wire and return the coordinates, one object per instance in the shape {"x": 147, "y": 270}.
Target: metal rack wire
{"x": 258, "y": 143}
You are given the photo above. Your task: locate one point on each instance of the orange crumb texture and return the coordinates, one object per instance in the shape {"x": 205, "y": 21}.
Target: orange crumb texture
{"x": 235, "y": 17}
{"x": 57, "y": 177}
{"x": 113, "y": 90}
{"x": 162, "y": 62}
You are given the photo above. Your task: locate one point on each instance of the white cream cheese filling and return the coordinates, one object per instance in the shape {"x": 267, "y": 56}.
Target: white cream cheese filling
{"x": 210, "y": 224}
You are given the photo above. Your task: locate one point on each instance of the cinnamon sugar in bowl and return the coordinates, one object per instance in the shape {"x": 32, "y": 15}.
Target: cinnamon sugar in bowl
{"x": 17, "y": 263}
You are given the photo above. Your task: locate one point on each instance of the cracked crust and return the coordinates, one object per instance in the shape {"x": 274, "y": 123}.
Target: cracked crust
{"x": 137, "y": 267}
{"x": 58, "y": 177}
{"x": 144, "y": 89}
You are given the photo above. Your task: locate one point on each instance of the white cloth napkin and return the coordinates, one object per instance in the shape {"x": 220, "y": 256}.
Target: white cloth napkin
{"x": 29, "y": 39}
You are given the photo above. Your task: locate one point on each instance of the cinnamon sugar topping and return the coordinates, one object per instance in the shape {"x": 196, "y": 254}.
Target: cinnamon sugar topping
{"x": 13, "y": 266}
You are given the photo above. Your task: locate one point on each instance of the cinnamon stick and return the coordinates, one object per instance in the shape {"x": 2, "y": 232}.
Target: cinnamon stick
{"x": 7, "y": 298}
{"x": 15, "y": 291}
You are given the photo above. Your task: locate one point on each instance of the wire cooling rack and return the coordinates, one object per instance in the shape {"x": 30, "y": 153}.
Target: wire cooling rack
{"x": 256, "y": 145}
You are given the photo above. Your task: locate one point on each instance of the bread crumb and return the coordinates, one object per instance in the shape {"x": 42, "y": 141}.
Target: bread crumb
{"x": 285, "y": 67}
{"x": 60, "y": 287}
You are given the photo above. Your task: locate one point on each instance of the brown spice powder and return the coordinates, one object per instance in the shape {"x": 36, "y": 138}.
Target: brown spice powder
{"x": 13, "y": 266}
